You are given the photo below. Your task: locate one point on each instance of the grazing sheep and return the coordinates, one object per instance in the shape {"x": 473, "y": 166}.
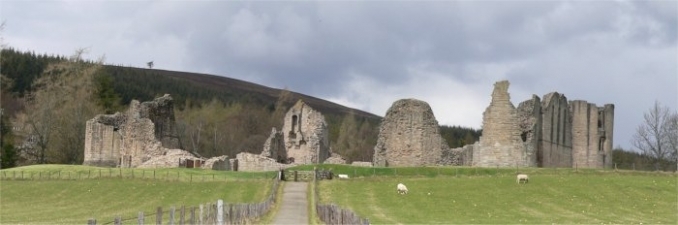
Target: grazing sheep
{"x": 342, "y": 176}
{"x": 522, "y": 177}
{"x": 402, "y": 189}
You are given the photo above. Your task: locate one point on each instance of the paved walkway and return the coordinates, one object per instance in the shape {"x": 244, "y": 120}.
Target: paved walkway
{"x": 294, "y": 207}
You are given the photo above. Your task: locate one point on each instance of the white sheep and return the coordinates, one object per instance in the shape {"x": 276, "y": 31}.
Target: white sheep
{"x": 522, "y": 177}
{"x": 342, "y": 176}
{"x": 402, "y": 189}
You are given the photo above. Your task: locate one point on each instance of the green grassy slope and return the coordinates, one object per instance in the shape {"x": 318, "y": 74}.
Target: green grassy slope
{"x": 65, "y": 201}
{"x": 585, "y": 197}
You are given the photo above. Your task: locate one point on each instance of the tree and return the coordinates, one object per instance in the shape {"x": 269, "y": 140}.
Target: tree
{"x": 656, "y": 136}
{"x": 58, "y": 110}
{"x": 8, "y": 155}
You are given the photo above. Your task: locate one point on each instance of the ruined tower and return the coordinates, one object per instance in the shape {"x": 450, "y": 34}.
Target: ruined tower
{"x": 592, "y": 132}
{"x": 409, "y": 136}
{"x": 305, "y": 135}
{"x": 501, "y": 143}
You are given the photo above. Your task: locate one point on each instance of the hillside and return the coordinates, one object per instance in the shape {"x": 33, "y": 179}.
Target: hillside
{"x": 237, "y": 87}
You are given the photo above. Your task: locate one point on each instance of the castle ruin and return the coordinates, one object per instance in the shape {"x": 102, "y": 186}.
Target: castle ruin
{"x": 144, "y": 136}
{"x": 303, "y": 139}
{"x": 409, "y": 135}
{"x": 501, "y": 143}
{"x": 552, "y": 132}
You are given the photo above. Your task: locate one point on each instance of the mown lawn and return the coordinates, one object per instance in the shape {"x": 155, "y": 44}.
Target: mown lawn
{"x": 574, "y": 197}
{"x": 63, "y": 201}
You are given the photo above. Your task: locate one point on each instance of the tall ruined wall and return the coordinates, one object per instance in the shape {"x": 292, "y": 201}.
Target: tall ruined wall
{"x": 161, "y": 112}
{"x": 592, "y": 132}
{"x": 530, "y": 124}
{"x": 409, "y": 136}
{"x": 274, "y": 147}
{"x": 306, "y": 135}
{"x": 500, "y": 144}
{"x": 139, "y": 141}
{"x": 556, "y": 140}
{"x": 607, "y": 115}
{"x": 103, "y": 140}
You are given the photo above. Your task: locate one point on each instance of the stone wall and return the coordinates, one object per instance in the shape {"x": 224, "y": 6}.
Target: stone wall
{"x": 361, "y": 163}
{"x": 409, "y": 136}
{"x": 556, "y": 140}
{"x": 103, "y": 140}
{"x": 253, "y": 162}
{"x": 462, "y": 156}
{"x": 335, "y": 159}
{"x": 161, "y": 112}
{"x": 274, "y": 147}
{"x": 305, "y": 135}
{"x": 530, "y": 123}
{"x": 501, "y": 144}
{"x": 592, "y": 132}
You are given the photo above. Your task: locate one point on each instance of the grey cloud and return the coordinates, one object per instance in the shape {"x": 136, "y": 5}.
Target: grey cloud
{"x": 624, "y": 50}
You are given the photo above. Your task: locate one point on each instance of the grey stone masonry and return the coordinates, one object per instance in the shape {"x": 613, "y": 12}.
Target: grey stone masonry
{"x": 530, "y": 123}
{"x": 409, "y": 136}
{"x": 592, "y": 132}
{"x": 501, "y": 144}
{"x": 305, "y": 135}
{"x": 556, "y": 139}
{"x": 144, "y": 136}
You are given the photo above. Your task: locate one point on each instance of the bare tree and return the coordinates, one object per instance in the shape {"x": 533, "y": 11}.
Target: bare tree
{"x": 656, "y": 136}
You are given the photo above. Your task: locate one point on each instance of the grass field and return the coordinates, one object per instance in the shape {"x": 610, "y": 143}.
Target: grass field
{"x": 65, "y": 201}
{"x": 493, "y": 197}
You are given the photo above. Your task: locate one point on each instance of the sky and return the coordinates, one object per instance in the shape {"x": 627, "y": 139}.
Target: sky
{"x": 367, "y": 55}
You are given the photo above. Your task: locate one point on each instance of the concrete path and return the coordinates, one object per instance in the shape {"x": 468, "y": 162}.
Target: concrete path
{"x": 294, "y": 206}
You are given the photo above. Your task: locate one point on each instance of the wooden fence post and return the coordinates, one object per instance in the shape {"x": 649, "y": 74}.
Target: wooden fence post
{"x": 182, "y": 214}
{"x": 192, "y": 219}
{"x": 200, "y": 215}
{"x": 220, "y": 212}
{"x": 140, "y": 219}
{"x": 171, "y": 216}
{"x": 158, "y": 216}
{"x": 91, "y": 221}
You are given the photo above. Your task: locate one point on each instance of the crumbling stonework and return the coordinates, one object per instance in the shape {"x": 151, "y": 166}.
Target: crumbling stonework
{"x": 361, "y": 163}
{"x": 592, "y": 132}
{"x": 500, "y": 144}
{"x": 144, "y": 136}
{"x": 461, "y": 156}
{"x": 274, "y": 147}
{"x": 553, "y": 133}
{"x": 409, "y": 136}
{"x": 305, "y": 135}
{"x": 161, "y": 112}
{"x": 335, "y": 159}
{"x": 530, "y": 124}
{"x": 556, "y": 140}
{"x": 171, "y": 158}
{"x": 103, "y": 140}
{"x": 253, "y": 162}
